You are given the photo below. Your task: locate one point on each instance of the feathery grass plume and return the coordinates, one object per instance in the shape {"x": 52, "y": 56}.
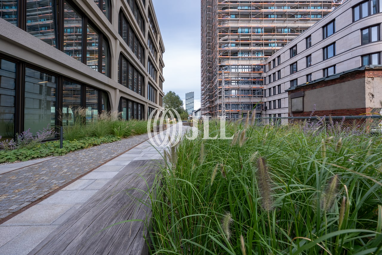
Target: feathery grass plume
{"x": 339, "y": 145}
{"x": 253, "y": 157}
{"x": 243, "y": 138}
{"x": 265, "y": 138}
{"x": 264, "y": 183}
{"x": 247, "y": 121}
{"x": 222, "y": 169}
{"x": 323, "y": 148}
{"x": 330, "y": 194}
{"x": 202, "y": 154}
{"x": 342, "y": 212}
{"x": 226, "y": 224}
{"x": 242, "y": 245}
{"x": 214, "y": 174}
{"x": 379, "y": 225}
{"x": 253, "y": 117}
{"x": 234, "y": 140}
{"x": 174, "y": 155}
{"x": 369, "y": 147}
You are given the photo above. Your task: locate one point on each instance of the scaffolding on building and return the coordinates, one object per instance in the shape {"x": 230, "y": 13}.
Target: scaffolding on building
{"x": 237, "y": 38}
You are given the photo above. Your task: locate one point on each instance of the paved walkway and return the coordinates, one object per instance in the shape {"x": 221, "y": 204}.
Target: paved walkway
{"x": 19, "y": 188}
{"x": 25, "y": 231}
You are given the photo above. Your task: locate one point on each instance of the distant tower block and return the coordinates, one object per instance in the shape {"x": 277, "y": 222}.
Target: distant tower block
{"x": 190, "y": 102}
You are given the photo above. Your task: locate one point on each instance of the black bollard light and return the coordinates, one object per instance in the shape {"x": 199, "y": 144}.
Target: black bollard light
{"x": 61, "y": 137}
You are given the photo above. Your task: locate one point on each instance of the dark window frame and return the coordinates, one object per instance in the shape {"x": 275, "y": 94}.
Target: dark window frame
{"x": 369, "y": 28}
{"x": 308, "y": 60}
{"x": 325, "y": 51}
{"x": 293, "y": 68}
{"x": 325, "y": 71}
{"x": 293, "y": 51}
{"x": 369, "y": 58}
{"x": 308, "y": 42}
{"x": 325, "y": 29}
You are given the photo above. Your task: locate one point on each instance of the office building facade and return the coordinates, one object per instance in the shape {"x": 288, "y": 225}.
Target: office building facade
{"x": 190, "y": 102}
{"x": 237, "y": 38}
{"x": 333, "y": 68}
{"x": 59, "y": 56}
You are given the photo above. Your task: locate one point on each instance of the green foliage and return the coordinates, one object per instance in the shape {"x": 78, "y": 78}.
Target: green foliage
{"x": 285, "y": 191}
{"x": 172, "y": 101}
{"x": 53, "y": 149}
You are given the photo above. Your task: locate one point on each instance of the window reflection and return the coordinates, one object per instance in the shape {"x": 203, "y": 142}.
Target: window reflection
{"x": 91, "y": 105}
{"x": 40, "y": 100}
{"x": 71, "y": 103}
{"x": 72, "y": 32}
{"x": 105, "y": 58}
{"x": 40, "y": 17}
{"x": 7, "y": 98}
{"x": 92, "y": 48}
{"x": 105, "y": 102}
{"x": 8, "y": 11}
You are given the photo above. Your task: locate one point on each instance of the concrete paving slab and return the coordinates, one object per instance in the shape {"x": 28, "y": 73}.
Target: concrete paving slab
{"x": 109, "y": 169}
{"x": 78, "y": 185}
{"x": 66, "y": 215}
{"x": 27, "y": 240}
{"x": 99, "y": 175}
{"x": 69, "y": 197}
{"x": 8, "y": 233}
{"x": 39, "y": 214}
{"x": 118, "y": 163}
{"x": 97, "y": 184}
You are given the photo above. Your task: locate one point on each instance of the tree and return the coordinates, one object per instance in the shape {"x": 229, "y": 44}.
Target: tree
{"x": 172, "y": 100}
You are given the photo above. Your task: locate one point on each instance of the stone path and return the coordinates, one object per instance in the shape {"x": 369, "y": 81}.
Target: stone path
{"x": 21, "y": 187}
{"x": 22, "y": 233}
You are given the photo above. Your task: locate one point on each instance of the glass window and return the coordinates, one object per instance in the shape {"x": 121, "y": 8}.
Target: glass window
{"x": 370, "y": 34}
{"x": 374, "y": 33}
{"x": 40, "y": 100}
{"x": 329, "y": 29}
{"x": 374, "y": 6}
{"x": 365, "y": 10}
{"x": 356, "y": 13}
{"x": 309, "y": 78}
{"x": 293, "y": 83}
{"x": 293, "y": 51}
{"x": 329, "y": 71}
{"x": 71, "y": 102}
{"x": 105, "y": 102}
{"x": 123, "y": 69}
{"x": 92, "y": 48}
{"x": 365, "y": 60}
{"x": 8, "y": 11}
{"x": 7, "y": 98}
{"x": 123, "y": 108}
{"x": 365, "y": 36}
{"x": 308, "y": 60}
{"x": 308, "y": 42}
{"x": 105, "y": 57}
{"x": 130, "y": 110}
{"x": 293, "y": 68}
{"x": 371, "y": 59}
{"x": 106, "y": 9}
{"x": 329, "y": 51}
{"x": 72, "y": 32}
{"x": 40, "y": 20}
{"x": 91, "y": 105}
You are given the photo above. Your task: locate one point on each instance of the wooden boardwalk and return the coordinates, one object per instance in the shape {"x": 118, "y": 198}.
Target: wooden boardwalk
{"x": 90, "y": 230}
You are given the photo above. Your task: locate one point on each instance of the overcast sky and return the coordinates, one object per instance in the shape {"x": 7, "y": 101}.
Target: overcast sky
{"x": 179, "y": 22}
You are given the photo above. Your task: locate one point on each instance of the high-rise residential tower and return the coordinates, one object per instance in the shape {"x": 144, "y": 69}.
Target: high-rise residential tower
{"x": 237, "y": 38}
{"x": 190, "y": 102}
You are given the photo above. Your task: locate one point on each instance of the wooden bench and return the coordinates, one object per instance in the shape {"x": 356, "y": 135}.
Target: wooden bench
{"x": 90, "y": 230}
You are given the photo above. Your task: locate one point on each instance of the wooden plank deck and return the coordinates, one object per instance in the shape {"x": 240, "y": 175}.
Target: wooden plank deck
{"x": 123, "y": 198}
